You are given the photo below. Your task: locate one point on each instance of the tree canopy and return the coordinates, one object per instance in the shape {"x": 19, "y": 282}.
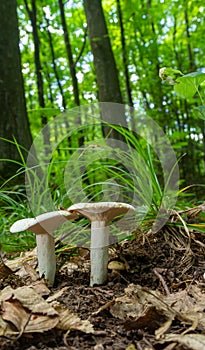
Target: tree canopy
{"x": 78, "y": 52}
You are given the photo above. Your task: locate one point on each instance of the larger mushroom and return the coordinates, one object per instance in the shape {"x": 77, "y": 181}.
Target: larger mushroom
{"x": 43, "y": 226}
{"x": 100, "y": 214}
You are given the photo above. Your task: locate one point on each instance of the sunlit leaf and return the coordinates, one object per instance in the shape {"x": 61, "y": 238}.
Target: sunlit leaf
{"x": 188, "y": 84}
{"x": 201, "y": 109}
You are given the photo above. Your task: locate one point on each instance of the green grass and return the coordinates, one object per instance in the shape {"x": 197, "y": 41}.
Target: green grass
{"x": 98, "y": 173}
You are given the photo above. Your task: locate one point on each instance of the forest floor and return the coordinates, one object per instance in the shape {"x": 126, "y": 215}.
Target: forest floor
{"x": 156, "y": 302}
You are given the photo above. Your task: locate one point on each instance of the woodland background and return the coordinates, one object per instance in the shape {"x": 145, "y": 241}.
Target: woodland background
{"x": 62, "y": 54}
{"x": 76, "y": 52}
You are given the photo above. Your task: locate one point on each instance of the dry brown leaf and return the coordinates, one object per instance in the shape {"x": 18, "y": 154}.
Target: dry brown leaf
{"x": 71, "y": 321}
{"x": 139, "y": 305}
{"x": 104, "y": 307}
{"x": 29, "y": 299}
{"x": 41, "y": 288}
{"x": 150, "y": 318}
{"x": 164, "y": 328}
{"x": 126, "y": 307}
{"x": 56, "y": 295}
{"x": 192, "y": 341}
{"x": 41, "y": 323}
{"x": 25, "y": 311}
{"x": 30, "y": 256}
{"x": 30, "y": 271}
{"x": 5, "y": 271}
{"x": 14, "y": 313}
{"x": 6, "y": 329}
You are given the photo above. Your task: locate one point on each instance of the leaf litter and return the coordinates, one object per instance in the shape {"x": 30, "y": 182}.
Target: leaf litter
{"x": 158, "y": 303}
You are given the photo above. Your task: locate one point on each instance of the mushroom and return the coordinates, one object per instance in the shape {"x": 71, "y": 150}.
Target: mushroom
{"x": 43, "y": 226}
{"x": 100, "y": 214}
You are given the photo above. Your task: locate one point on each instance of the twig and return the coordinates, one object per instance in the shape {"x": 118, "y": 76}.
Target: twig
{"x": 162, "y": 281}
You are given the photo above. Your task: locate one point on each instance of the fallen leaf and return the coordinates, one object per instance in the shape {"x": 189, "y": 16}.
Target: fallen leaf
{"x": 6, "y": 328}
{"x": 41, "y": 288}
{"x": 192, "y": 341}
{"x": 140, "y": 307}
{"x": 24, "y": 311}
{"x": 104, "y": 307}
{"x": 41, "y": 323}
{"x": 5, "y": 271}
{"x": 30, "y": 256}
{"x": 33, "y": 301}
{"x": 164, "y": 328}
{"x": 71, "y": 321}
{"x": 150, "y": 318}
{"x": 56, "y": 295}
{"x": 31, "y": 272}
{"x": 13, "y": 312}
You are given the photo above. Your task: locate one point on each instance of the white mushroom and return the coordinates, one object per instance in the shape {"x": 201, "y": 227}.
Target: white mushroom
{"x": 43, "y": 226}
{"x": 100, "y": 214}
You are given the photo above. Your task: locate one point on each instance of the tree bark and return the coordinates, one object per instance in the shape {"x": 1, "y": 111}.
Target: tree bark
{"x": 40, "y": 88}
{"x": 104, "y": 62}
{"x": 55, "y": 69}
{"x": 124, "y": 55}
{"x": 192, "y": 64}
{"x": 106, "y": 69}
{"x": 14, "y": 120}
{"x": 69, "y": 55}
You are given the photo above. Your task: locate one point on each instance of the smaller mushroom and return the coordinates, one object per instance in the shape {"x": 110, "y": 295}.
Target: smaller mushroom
{"x": 43, "y": 226}
{"x": 115, "y": 265}
{"x": 100, "y": 214}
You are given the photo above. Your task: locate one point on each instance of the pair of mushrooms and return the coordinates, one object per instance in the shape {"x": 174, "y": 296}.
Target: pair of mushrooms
{"x": 99, "y": 214}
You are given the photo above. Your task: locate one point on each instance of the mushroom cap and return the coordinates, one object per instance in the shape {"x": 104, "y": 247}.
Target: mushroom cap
{"x": 44, "y": 223}
{"x": 116, "y": 265}
{"x": 101, "y": 211}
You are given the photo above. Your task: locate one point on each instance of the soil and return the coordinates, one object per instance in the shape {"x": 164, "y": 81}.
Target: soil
{"x": 161, "y": 263}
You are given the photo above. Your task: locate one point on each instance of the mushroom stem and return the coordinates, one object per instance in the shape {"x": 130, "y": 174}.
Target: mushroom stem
{"x": 99, "y": 252}
{"x": 46, "y": 257}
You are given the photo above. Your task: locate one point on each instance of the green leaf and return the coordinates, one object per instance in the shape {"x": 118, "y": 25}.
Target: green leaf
{"x": 171, "y": 71}
{"x": 188, "y": 84}
{"x": 195, "y": 78}
{"x": 48, "y": 112}
{"x": 201, "y": 109}
{"x": 169, "y": 75}
{"x": 184, "y": 90}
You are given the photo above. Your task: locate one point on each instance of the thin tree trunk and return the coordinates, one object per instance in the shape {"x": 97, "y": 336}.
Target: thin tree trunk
{"x": 54, "y": 61}
{"x": 105, "y": 68}
{"x": 40, "y": 87}
{"x": 69, "y": 54}
{"x": 124, "y": 55}
{"x": 14, "y": 120}
{"x": 192, "y": 65}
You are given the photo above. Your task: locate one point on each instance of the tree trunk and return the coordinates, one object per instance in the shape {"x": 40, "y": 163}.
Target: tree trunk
{"x": 69, "y": 55}
{"x": 38, "y": 68}
{"x": 105, "y": 66}
{"x": 55, "y": 69}
{"x": 192, "y": 64}
{"x": 124, "y": 55}
{"x": 14, "y": 120}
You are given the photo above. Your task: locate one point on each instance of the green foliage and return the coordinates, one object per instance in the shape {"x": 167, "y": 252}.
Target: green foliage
{"x": 13, "y": 206}
{"x": 134, "y": 176}
{"x": 155, "y": 32}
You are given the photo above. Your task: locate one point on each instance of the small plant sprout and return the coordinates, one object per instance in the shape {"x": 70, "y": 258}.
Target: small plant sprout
{"x": 43, "y": 226}
{"x": 100, "y": 214}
